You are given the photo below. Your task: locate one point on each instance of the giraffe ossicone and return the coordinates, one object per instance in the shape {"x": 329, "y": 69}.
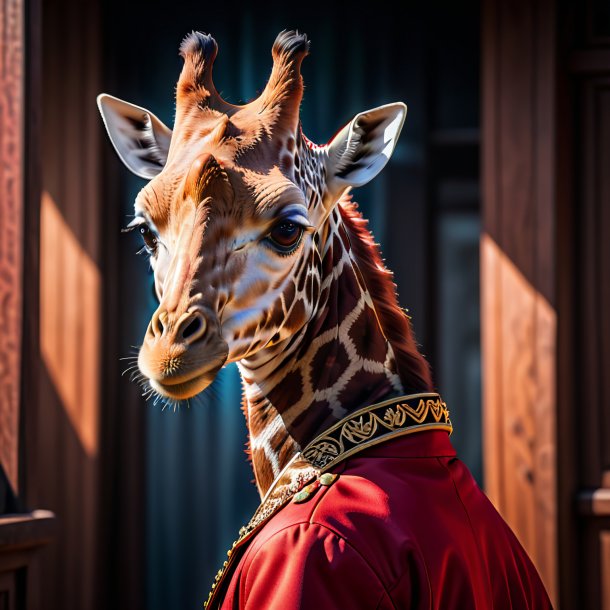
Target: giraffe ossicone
{"x": 260, "y": 257}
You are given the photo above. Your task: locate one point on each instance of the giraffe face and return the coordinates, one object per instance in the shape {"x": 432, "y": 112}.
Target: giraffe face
{"x": 226, "y": 244}
{"x": 234, "y": 212}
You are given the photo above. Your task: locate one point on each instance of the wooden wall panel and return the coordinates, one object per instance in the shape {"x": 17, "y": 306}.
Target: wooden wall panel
{"x": 86, "y": 464}
{"x": 11, "y": 230}
{"x": 519, "y": 319}
{"x": 65, "y": 476}
{"x": 491, "y": 335}
{"x": 519, "y": 335}
{"x": 56, "y": 445}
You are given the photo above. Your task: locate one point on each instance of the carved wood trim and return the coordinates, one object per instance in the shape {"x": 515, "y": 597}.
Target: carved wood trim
{"x": 11, "y": 230}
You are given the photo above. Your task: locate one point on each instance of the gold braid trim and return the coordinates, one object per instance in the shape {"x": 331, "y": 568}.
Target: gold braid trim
{"x": 376, "y": 424}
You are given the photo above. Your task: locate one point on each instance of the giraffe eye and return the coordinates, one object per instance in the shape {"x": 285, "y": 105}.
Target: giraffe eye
{"x": 149, "y": 238}
{"x": 285, "y": 236}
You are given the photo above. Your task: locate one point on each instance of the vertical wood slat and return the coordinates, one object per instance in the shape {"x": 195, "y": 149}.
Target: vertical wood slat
{"x": 592, "y": 261}
{"x": 491, "y": 353}
{"x": 595, "y": 269}
{"x": 605, "y": 569}
{"x": 603, "y": 162}
{"x": 11, "y": 230}
{"x": 67, "y": 471}
{"x": 517, "y": 273}
{"x": 516, "y": 124}
{"x": 588, "y": 279}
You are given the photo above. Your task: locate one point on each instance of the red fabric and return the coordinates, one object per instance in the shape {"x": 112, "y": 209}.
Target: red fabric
{"x": 404, "y": 526}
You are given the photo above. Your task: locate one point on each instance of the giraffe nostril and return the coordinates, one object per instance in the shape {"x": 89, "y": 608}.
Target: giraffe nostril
{"x": 158, "y": 323}
{"x": 194, "y": 329}
{"x": 161, "y": 321}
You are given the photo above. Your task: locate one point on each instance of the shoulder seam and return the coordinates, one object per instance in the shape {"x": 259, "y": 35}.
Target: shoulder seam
{"x": 334, "y": 534}
{"x": 351, "y": 546}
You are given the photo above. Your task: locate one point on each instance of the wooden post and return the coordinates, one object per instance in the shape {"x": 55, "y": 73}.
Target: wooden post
{"x": 518, "y": 272}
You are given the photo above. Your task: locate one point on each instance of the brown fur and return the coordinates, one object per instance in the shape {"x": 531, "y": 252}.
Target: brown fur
{"x": 413, "y": 369}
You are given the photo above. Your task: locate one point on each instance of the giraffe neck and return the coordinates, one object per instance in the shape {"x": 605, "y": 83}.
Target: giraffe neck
{"x": 340, "y": 361}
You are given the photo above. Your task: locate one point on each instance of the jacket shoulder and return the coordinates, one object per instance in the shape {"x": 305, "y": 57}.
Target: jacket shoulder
{"x": 357, "y": 512}
{"x": 294, "y": 566}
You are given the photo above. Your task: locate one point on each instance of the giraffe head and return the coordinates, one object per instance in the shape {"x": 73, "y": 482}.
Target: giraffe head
{"x": 235, "y": 210}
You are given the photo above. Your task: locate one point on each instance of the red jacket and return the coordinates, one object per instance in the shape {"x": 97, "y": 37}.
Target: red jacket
{"x": 404, "y": 525}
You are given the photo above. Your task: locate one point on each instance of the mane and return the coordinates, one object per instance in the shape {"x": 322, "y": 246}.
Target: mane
{"x": 413, "y": 369}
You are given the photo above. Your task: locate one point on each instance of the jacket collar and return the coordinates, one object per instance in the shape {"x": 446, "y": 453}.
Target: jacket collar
{"x": 370, "y": 429}
{"x": 377, "y": 424}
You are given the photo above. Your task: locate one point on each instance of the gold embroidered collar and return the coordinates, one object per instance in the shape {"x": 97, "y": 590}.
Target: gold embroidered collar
{"x": 364, "y": 428}
{"x": 376, "y": 424}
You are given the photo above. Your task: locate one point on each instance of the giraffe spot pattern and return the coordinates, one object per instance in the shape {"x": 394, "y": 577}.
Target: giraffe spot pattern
{"x": 367, "y": 344}
{"x": 332, "y": 360}
{"x": 290, "y": 389}
{"x": 332, "y": 356}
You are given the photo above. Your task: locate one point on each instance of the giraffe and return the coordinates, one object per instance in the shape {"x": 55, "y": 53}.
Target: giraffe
{"x": 260, "y": 256}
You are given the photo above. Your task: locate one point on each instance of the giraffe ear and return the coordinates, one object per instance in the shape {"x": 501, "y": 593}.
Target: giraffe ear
{"x": 361, "y": 149}
{"x": 140, "y": 139}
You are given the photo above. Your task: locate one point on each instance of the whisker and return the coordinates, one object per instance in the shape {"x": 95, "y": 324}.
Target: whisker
{"x": 133, "y": 367}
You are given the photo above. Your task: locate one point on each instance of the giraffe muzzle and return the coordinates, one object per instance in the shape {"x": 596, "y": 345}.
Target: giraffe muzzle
{"x": 182, "y": 352}
{"x": 190, "y": 326}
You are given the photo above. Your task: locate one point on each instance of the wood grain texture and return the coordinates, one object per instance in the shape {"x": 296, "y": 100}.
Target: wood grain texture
{"x": 515, "y": 176}
{"x": 65, "y": 476}
{"x": 518, "y": 266}
{"x": 70, "y": 324}
{"x": 11, "y": 212}
{"x": 83, "y": 463}
{"x": 517, "y": 398}
{"x": 491, "y": 336}
{"x": 489, "y": 120}
{"x": 519, "y": 332}
{"x": 544, "y": 413}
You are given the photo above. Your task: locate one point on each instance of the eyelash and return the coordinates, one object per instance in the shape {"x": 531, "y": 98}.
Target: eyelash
{"x": 144, "y": 230}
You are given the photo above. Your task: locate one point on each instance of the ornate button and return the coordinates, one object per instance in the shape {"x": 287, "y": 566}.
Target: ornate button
{"x": 328, "y": 479}
{"x": 306, "y": 493}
